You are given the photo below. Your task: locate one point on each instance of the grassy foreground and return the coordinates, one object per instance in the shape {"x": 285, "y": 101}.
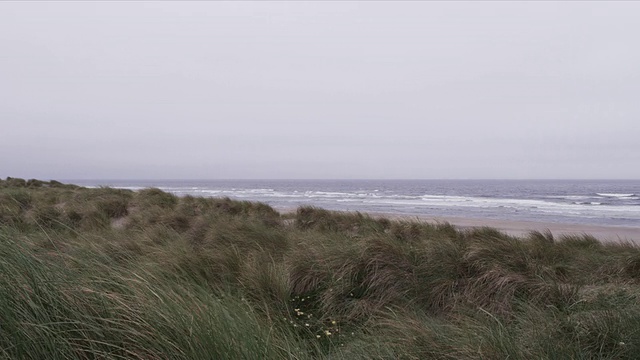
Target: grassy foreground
{"x": 108, "y": 273}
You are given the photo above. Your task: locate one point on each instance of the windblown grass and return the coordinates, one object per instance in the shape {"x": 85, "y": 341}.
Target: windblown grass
{"x": 109, "y": 273}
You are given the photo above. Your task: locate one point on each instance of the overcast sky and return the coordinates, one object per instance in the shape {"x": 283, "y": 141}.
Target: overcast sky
{"x": 163, "y": 90}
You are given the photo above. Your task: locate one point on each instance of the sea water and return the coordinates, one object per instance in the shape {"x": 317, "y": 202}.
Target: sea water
{"x": 597, "y": 202}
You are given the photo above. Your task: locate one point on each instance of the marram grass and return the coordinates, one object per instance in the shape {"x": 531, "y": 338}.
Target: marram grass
{"x": 115, "y": 274}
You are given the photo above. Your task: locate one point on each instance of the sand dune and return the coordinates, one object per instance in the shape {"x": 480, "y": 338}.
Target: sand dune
{"x": 517, "y": 228}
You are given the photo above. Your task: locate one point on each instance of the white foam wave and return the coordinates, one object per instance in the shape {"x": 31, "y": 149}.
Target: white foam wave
{"x": 615, "y": 195}
{"x": 258, "y": 191}
{"x": 330, "y": 193}
{"x": 579, "y": 206}
{"x": 568, "y": 197}
{"x": 576, "y": 208}
{"x": 447, "y": 198}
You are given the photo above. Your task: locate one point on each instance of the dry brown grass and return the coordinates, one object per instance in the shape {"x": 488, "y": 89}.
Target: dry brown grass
{"x": 329, "y": 285}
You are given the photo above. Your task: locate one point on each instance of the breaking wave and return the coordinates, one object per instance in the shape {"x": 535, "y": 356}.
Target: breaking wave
{"x": 614, "y": 195}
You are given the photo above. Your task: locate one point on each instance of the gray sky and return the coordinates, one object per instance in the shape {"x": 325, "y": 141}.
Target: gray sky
{"x": 319, "y": 90}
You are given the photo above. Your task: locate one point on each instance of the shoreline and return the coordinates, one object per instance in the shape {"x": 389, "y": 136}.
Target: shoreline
{"x": 518, "y": 228}
{"x": 522, "y": 228}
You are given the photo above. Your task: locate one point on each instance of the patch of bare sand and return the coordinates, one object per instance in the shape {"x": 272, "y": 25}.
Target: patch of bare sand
{"x": 119, "y": 223}
{"x": 522, "y": 228}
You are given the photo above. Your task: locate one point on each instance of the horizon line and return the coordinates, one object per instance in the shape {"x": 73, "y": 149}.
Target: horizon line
{"x": 348, "y": 179}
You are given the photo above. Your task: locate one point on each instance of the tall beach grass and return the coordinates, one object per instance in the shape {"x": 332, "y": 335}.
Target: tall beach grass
{"x": 110, "y": 273}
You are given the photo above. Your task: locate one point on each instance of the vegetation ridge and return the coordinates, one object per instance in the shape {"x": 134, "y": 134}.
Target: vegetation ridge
{"x": 103, "y": 273}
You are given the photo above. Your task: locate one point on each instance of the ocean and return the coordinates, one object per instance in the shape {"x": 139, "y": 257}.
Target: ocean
{"x": 594, "y": 202}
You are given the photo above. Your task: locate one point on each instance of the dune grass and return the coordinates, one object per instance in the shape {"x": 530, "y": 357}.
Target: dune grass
{"x": 109, "y": 273}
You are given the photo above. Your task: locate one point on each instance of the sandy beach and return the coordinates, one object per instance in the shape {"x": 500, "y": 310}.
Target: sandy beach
{"x": 518, "y": 228}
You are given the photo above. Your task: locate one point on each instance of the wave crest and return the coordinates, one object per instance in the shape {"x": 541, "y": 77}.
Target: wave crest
{"x": 615, "y": 195}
